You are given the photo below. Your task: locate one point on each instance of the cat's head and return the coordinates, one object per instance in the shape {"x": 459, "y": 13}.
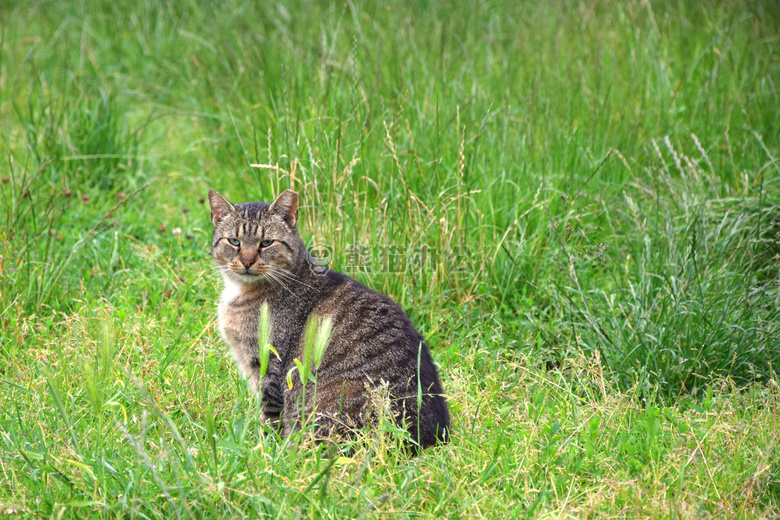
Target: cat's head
{"x": 255, "y": 242}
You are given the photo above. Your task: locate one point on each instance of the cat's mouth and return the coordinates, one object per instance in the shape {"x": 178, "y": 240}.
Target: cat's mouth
{"x": 252, "y": 274}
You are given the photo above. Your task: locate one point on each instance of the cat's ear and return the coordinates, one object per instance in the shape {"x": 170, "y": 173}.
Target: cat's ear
{"x": 286, "y": 205}
{"x": 220, "y": 207}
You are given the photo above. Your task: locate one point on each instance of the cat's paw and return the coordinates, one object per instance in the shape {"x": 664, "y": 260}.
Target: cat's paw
{"x": 269, "y": 422}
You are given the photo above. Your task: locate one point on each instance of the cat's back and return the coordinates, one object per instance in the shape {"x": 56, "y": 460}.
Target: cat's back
{"x": 372, "y": 334}
{"x": 364, "y": 313}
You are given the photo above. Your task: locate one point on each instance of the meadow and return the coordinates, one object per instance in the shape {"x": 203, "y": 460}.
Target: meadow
{"x": 577, "y": 204}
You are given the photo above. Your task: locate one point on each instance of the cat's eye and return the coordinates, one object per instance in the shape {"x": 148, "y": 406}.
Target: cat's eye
{"x": 234, "y": 242}
{"x": 266, "y": 243}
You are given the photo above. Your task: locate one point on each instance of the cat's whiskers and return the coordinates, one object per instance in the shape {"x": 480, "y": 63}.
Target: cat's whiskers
{"x": 289, "y": 276}
{"x": 270, "y": 275}
{"x": 213, "y": 271}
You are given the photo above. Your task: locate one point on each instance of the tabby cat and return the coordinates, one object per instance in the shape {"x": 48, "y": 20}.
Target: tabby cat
{"x": 374, "y": 346}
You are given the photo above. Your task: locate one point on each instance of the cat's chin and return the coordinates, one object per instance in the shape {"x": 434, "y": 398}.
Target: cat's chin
{"x": 246, "y": 278}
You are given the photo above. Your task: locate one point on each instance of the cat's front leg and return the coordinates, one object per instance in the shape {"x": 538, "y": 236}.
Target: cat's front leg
{"x": 254, "y": 382}
{"x": 270, "y": 404}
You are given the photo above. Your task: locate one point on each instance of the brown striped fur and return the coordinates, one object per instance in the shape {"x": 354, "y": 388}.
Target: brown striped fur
{"x": 374, "y": 345}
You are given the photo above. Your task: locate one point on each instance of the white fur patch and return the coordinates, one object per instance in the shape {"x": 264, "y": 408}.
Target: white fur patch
{"x": 232, "y": 290}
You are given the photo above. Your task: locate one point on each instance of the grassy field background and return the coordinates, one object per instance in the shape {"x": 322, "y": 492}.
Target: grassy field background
{"x": 577, "y": 203}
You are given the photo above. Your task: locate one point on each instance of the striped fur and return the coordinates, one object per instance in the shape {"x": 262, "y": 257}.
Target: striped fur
{"x": 374, "y": 345}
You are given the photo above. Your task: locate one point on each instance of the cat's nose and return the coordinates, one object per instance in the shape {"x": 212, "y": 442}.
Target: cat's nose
{"x": 247, "y": 261}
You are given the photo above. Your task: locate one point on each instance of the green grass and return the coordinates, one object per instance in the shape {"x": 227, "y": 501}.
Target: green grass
{"x": 578, "y": 204}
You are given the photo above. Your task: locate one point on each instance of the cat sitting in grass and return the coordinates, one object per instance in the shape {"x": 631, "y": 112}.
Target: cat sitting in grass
{"x": 373, "y": 345}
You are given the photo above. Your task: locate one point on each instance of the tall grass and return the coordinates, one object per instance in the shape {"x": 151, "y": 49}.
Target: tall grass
{"x": 695, "y": 294}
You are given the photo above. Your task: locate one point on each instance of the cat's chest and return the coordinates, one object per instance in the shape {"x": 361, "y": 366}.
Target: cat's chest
{"x": 230, "y": 292}
{"x": 238, "y": 313}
